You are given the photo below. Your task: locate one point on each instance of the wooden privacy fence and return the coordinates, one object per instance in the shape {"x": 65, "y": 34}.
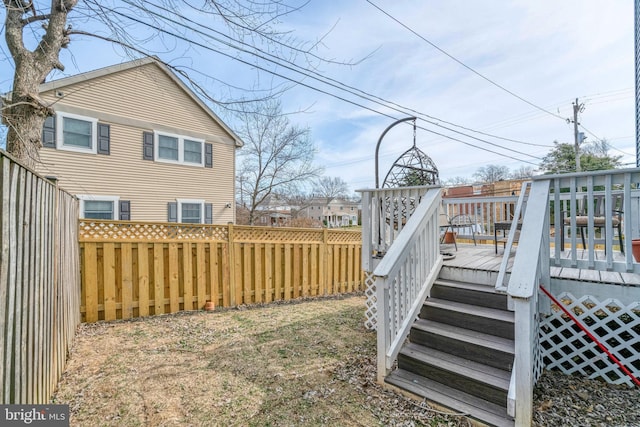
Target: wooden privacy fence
{"x": 39, "y": 283}
{"x": 132, "y": 269}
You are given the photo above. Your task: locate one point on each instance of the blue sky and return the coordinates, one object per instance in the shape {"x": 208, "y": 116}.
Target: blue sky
{"x": 546, "y": 52}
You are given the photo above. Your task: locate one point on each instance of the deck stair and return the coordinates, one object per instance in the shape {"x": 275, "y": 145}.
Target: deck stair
{"x": 460, "y": 351}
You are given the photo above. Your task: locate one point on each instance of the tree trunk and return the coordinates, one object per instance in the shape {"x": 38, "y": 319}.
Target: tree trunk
{"x": 24, "y": 136}
{"x": 24, "y": 113}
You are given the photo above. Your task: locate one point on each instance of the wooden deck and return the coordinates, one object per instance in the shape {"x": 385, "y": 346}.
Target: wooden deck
{"x": 483, "y": 258}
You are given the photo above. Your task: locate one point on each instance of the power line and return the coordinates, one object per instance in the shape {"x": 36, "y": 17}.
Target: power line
{"x": 608, "y": 143}
{"x": 184, "y": 38}
{"x": 318, "y": 77}
{"x": 463, "y": 64}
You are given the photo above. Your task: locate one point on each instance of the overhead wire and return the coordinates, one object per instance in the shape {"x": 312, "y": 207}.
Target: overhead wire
{"x": 184, "y": 38}
{"x": 319, "y": 77}
{"x": 599, "y": 139}
{"x": 366, "y": 96}
{"x": 463, "y": 64}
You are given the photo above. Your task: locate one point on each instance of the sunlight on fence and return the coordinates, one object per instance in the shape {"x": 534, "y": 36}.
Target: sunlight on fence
{"x": 39, "y": 283}
{"x": 139, "y": 269}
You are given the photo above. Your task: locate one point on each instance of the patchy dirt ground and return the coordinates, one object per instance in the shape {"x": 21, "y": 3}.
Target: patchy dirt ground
{"x": 304, "y": 363}
{"x": 307, "y": 363}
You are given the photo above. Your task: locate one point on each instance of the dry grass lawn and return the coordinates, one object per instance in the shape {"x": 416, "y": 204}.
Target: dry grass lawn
{"x": 305, "y": 363}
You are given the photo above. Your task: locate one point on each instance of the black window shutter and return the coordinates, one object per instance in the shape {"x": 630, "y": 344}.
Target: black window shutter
{"x": 172, "y": 215}
{"x": 208, "y": 213}
{"x": 125, "y": 210}
{"x": 104, "y": 139}
{"x": 208, "y": 155}
{"x": 147, "y": 145}
{"x": 49, "y": 132}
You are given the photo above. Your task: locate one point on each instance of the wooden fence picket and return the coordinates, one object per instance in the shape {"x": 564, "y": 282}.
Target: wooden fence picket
{"x": 126, "y": 274}
{"x": 39, "y": 282}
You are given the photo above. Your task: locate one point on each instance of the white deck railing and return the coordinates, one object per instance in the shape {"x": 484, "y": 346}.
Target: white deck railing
{"x": 568, "y": 192}
{"x": 385, "y": 212}
{"x": 535, "y": 257}
{"x": 482, "y": 211}
{"x": 404, "y": 277}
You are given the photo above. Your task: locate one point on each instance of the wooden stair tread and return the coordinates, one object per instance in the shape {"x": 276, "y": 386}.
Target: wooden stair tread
{"x": 489, "y": 313}
{"x": 490, "y": 289}
{"x": 453, "y": 399}
{"x": 466, "y": 335}
{"x": 497, "y": 378}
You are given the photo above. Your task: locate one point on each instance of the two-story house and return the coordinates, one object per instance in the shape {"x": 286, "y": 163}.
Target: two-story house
{"x": 336, "y": 213}
{"x": 133, "y": 142}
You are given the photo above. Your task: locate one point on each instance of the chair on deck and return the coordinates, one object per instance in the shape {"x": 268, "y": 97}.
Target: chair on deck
{"x": 599, "y": 217}
{"x": 455, "y": 223}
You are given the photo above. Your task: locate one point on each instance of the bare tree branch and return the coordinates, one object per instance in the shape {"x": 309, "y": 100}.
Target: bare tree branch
{"x": 276, "y": 156}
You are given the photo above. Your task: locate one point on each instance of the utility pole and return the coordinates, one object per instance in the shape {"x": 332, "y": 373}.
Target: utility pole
{"x": 577, "y": 108}
{"x": 637, "y": 46}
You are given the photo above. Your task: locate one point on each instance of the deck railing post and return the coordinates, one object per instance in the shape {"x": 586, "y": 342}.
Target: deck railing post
{"x": 524, "y": 330}
{"x": 382, "y": 328}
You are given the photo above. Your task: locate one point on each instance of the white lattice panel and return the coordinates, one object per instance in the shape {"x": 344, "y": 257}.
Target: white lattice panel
{"x": 538, "y": 359}
{"x": 371, "y": 312}
{"x": 567, "y": 348}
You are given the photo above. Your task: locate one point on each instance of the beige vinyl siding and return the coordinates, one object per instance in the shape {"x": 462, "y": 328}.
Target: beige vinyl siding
{"x": 148, "y": 185}
{"x": 144, "y": 93}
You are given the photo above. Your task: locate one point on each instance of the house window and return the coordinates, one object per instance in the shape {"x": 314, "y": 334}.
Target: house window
{"x": 76, "y": 133}
{"x": 99, "y": 207}
{"x": 191, "y": 211}
{"x": 192, "y": 151}
{"x": 179, "y": 149}
{"x": 168, "y": 148}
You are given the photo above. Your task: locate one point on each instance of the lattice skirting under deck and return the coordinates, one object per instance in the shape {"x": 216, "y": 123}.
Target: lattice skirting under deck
{"x": 567, "y": 348}
{"x": 371, "y": 312}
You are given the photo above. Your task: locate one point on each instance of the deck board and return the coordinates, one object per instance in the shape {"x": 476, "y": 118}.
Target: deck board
{"x": 483, "y": 257}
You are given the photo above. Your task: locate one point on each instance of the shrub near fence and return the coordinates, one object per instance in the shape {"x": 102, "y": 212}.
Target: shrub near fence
{"x": 132, "y": 269}
{"x": 39, "y": 283}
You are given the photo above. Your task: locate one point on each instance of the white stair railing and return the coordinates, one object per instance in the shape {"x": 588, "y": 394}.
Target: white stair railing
{"x": 530, "y": 268}
{"x": 501, "y": 285}
{"x": 404, "y": 277}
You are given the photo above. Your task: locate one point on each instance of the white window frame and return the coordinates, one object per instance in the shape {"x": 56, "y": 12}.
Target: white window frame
{"x": 194, "y": 201}
{"x": 60, "y": 145}
{"x": 96, "y": 198}
{"x": 180, "y": 138}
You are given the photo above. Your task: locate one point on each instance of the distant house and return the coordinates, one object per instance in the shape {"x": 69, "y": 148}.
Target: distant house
{"x": 133, "y": 142}
{"x": 337, "y": 213}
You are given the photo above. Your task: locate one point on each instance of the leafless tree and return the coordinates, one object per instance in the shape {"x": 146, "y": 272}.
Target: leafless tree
{"x": 491, "y": 173}
{"x": 25, "y": 112}
{"x": 298, "y": 202}
{"x": 457, "y": 181}
{"x": 277, "y": 156}
{"x": 523, "y": 172}
{"x": 330, "y": 188}
{"x": 37, "y": 30}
